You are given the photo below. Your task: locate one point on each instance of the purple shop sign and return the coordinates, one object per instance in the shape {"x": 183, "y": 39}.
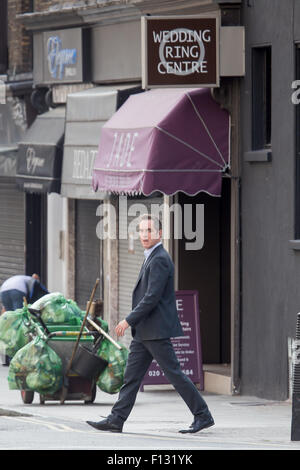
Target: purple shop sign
{"x": 187, "y": 347}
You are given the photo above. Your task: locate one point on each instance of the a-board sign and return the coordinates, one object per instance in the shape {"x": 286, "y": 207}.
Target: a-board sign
{"x": 187, "y": 347}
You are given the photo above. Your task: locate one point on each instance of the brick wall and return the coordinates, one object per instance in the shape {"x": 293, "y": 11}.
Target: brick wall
{"x": 19, "y": 40}
{"x": 43, "y": 5}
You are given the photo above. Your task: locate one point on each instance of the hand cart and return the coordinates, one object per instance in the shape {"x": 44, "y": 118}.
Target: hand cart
{"x": 81, "y": 365}
{"x": 85, "y": 368}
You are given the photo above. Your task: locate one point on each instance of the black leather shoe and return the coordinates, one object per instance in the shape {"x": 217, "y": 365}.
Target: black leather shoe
{"x": 198, "y": 424}
{"x": 106, "y": 425}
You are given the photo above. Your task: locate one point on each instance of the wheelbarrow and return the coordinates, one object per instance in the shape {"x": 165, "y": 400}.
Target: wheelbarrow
{"x": 86, "y": 365}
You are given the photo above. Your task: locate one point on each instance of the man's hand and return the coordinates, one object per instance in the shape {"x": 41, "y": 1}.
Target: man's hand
{"x": 121, "y": 327}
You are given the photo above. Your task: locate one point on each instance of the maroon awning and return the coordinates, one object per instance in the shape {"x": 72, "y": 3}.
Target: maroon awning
{"x": 164, "y": 140}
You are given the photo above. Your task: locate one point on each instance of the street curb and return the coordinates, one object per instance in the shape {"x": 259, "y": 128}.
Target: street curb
{"x": 5, "y": 412}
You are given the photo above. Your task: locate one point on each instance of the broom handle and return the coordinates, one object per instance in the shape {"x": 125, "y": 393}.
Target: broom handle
{"x": 82, "y": 327}
{"x": 99, "y": 329}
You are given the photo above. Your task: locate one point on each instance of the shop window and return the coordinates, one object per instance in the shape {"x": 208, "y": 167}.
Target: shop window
{"x": 3, "y": 37}
{"x": 261, "y": 97}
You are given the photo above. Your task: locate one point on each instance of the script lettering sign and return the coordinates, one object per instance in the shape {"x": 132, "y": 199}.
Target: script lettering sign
{"x": 63, "y": 56}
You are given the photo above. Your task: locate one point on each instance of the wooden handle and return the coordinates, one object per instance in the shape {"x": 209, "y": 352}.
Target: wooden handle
{"x": 98, "y": 328}
{"x": 82, "y": 326}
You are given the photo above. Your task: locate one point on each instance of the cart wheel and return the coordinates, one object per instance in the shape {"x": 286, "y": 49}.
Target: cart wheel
{"x": 27, "y": 396}
{"x": 93, "y": 396}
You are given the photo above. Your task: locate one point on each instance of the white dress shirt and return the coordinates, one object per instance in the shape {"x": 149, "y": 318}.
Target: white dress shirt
{"x": 148, "y": 252}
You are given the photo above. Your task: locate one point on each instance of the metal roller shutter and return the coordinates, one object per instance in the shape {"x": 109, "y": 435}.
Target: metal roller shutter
{"x": 87, "y": 252}
{"x": 12, "y": 230}
{"x": 130, "y": 263}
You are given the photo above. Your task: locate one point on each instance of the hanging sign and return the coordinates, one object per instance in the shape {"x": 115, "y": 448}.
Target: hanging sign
{"x": 180, "y": 51}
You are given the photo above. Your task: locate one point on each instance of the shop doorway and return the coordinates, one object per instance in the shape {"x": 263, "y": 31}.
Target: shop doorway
{"x": 36, "y": 235}
{"x": 207, "y": 270}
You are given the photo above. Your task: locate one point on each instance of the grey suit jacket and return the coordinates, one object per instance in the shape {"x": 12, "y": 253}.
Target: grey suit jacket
{"x": 154, "y": 314}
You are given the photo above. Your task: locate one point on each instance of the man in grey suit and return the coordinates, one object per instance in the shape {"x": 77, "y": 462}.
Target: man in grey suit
{"x": 153, "y": 321}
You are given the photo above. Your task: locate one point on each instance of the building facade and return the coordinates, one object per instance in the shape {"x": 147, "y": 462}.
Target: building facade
{"x": 16, "y": 113}
{"x": 107, "y": 40}
{"x": 270, "y": 196}
{"x": 246, "y": 272}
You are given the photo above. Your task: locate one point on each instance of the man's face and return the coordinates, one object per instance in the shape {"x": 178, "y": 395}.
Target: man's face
{"x": 149, "y": 236}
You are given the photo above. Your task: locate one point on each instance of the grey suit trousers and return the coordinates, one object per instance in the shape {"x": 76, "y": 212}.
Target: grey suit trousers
{"x": 139, "y": 359}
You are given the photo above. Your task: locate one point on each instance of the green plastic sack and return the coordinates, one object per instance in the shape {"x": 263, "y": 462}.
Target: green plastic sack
{"x": 112, "y": 378}
{"x": 55, "y": 308}
{"x": 36, "y": 367}
{"x": 14, "y": 331}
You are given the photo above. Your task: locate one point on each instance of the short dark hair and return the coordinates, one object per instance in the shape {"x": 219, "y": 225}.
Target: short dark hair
{"x": 156, "y": 221}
